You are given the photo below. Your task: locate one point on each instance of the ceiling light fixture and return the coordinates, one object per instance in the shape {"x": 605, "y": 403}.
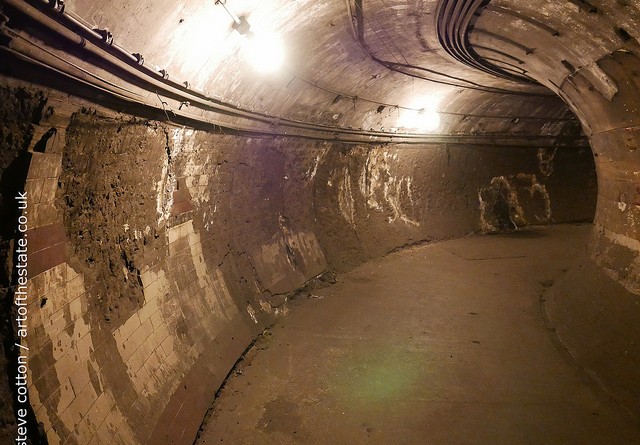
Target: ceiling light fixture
{"x": 423, "y": 119}
{"x": 263, "y": 50}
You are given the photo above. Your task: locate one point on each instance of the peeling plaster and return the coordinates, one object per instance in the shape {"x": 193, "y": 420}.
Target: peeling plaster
{"x": 182, "y": 140}
{"x": 622, "y": 202}
{"x": 165, "y": 188}
{"x": 345, "y": 198}
{"x": 282, "y": 310}
{"x": 541, "y": 190}
{"x": 393, "y": 192}
{"x": 500, "y": 203}
{"x": 311, "y": 173}
{"x": 383, "y": 191}
{"x": 545, "y": 161}
{"x": 266, "y": 307}
{"x": 252, "y": 314}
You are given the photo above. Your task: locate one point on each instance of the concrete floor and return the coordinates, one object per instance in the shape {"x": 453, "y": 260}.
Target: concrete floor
{"x": 438, "y": 344}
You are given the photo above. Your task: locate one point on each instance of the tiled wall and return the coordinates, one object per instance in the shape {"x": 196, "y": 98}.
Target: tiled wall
{"x": 148, "y": 375}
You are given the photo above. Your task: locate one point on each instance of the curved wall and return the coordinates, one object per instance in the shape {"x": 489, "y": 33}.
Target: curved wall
{"x": 596, "y": 308}
{"x": 157, "y": 253}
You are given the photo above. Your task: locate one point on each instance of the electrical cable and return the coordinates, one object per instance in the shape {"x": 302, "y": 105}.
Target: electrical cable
{"x": 358, "y": 35}
{"x": 134, "y": 62}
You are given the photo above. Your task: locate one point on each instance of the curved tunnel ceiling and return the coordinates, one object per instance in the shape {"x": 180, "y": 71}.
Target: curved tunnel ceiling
{"x": 353, "y": 65}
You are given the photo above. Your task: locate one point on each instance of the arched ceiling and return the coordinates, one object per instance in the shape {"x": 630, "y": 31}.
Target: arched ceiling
{"x": 365, "y": 68}
{"x": 361, "y": 64}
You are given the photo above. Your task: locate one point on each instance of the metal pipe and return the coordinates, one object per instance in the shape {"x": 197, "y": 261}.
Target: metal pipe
{"x": 171, "y": 89}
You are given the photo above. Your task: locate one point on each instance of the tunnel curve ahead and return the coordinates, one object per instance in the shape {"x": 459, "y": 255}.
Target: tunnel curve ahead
{"x": 178, "y": 201}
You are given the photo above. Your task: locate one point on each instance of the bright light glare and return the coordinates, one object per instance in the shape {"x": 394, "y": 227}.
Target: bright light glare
{"x": 265, "y": 52}
{"x": 424, "y": 117}
{"x": 425, "y": 120}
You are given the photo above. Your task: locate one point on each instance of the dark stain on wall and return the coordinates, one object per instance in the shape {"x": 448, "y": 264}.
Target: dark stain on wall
{"x": 110, "y": 171}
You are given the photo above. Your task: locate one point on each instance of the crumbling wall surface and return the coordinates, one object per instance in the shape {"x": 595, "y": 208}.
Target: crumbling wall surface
{"x": 180, "y": 248}
{"x": 157, "y": 253}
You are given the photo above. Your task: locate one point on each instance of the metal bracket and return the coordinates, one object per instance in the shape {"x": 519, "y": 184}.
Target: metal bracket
{"x": 139, "y": 58}
{"x": 106, "y": 35}
{"x": 58, "y": 5}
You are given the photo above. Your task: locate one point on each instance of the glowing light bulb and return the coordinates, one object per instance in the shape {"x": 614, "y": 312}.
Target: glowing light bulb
{"x": 425, "y": 119}
{"x": 429, "y": 120}
{"x": 265, "y": 52}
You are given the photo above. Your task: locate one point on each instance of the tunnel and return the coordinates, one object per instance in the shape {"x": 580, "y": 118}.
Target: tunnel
{"x": 320, "y": 221}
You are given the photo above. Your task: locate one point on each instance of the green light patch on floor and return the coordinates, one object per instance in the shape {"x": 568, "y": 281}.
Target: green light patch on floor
{"x": 376, "y": 375}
